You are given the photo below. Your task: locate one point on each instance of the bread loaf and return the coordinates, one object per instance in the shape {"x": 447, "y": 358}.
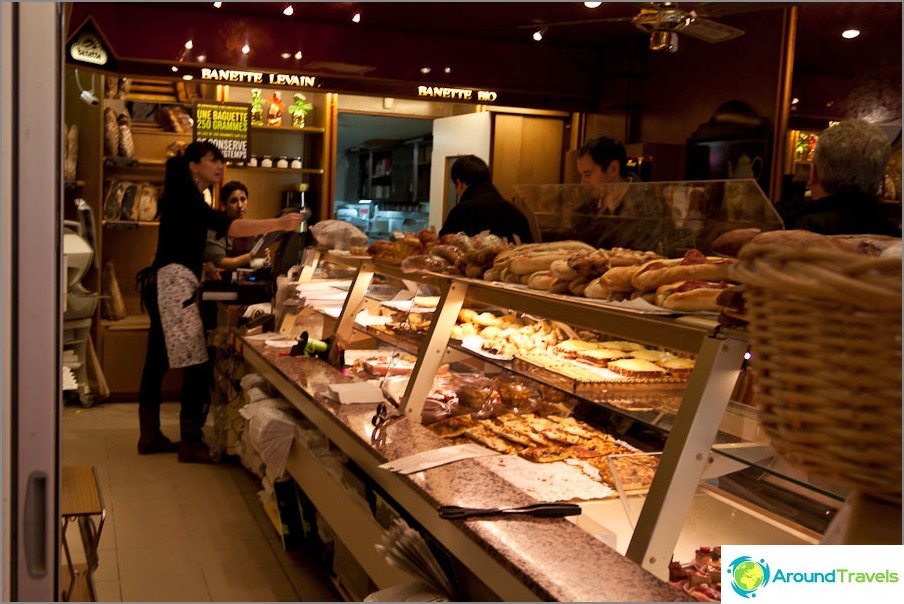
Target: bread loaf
{"x": 147, "y": 203}
{"x": 111, "y": 133}
{"x": 730, "y": 243}
{"x": 126, "y": 144}
{"x": 116, "y": 190}
{"x": 129, "y": 209}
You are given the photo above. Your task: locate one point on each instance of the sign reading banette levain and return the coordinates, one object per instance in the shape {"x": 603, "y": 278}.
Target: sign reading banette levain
{"x": 239, "y": 76}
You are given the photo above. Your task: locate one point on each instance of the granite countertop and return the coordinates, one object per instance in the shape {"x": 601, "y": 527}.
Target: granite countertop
{"x": 553, "y": 557}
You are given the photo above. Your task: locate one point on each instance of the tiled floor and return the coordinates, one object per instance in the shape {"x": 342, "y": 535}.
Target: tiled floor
{"x": 181, "y": 532}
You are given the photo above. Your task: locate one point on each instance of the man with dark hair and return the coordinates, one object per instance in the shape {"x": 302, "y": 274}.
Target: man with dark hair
{"x": 614, "y": 213}
{"x": 480, "y": 206}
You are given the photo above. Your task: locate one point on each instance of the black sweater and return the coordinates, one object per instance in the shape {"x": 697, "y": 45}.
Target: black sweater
{"x": 482, "y": 208}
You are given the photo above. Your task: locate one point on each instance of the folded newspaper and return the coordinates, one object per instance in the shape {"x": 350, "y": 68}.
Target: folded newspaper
{"x": 407, "y": 551}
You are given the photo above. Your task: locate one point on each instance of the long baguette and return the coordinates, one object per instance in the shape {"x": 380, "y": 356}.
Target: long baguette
{"x": 538, "y": 261}
{"x": 513, "y": 252}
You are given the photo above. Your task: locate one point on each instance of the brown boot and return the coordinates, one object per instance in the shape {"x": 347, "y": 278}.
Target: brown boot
{"x": 195, "y": 452}
{"x": 157, "y": 443}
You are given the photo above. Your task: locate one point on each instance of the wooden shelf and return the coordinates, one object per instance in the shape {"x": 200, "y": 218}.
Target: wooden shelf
{"x": 125, "y": 225}
{"x": 306, "y": 129}
{"x": 145, "y": 131}
{"x": 287, "y": 170}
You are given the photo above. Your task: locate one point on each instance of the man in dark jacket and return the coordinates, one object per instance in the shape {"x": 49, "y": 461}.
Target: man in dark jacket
{"x": 848, "y": 166}
{"x": 480, "y": 206}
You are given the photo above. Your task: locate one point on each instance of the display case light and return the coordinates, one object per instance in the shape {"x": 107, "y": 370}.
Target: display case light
{"x": 593, "y": 4}
{"x": 202, "y": 58}
{"x": 189, "y": 45}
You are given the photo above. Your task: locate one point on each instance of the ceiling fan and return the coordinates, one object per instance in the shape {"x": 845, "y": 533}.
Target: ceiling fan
{"x": 664, "y": 20}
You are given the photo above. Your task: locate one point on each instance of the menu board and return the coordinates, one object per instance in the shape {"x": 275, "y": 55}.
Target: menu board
{"x": 226, "y": 125}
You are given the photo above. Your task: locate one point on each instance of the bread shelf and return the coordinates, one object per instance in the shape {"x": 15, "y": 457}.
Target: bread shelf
{"x": 289, "y": 130}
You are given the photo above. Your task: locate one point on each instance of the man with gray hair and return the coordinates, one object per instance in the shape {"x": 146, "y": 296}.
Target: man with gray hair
{"x": 848, "y": 166}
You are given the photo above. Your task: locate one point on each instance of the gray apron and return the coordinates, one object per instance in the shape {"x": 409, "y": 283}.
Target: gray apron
{"x": 183, "y": 330}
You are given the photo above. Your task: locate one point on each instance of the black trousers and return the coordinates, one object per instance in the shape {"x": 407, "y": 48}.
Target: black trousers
{"x": 197, "y": 381}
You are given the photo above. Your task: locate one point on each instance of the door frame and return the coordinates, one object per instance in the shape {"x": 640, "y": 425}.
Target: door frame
{"x": 31, "y": 307}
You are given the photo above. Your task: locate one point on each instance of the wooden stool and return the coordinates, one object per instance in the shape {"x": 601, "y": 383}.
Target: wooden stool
{"x": 80, "y": 501}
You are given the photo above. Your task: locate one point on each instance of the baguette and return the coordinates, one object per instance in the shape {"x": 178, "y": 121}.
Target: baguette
{"x": 541, "y": 280}
{"x": 506, "y": 255}
{"x": 619, "y": 278}
{"x": 561, "y": 270}
{"x": 598, "y": 290}
{"x": 693, "y": 266}
{"x": 690, "y": 296}
{"x": 526, "y": 264}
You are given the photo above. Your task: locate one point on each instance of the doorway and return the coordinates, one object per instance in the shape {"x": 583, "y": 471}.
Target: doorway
{"x": 383, "y": 172}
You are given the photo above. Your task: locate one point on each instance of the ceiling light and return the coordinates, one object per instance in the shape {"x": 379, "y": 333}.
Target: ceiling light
{"x": 174, "y": 68}
{"x": 593, "y": 4}
{"x": 288, "y": 11}
{"x": 850, "y": 34}
{"x": 286, "y": 55}
{"x": 188, "y": 45}
{"x": 356, "y": 18}
{"x": 795, "y": 101}
{"x": 246, "y": 49}
{"x": 447, "y": 70}
{"x": 538, "y": 35}
{"x": 202, "y": 58}
{"x": 217, "y": 4}
{"x": 298, "y": 56}
{"x": 425, "y": 70}
{"x": 188, "y": 77}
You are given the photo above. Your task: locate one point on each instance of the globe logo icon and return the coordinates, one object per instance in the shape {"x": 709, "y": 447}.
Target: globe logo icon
{"x": 748, "y": 575}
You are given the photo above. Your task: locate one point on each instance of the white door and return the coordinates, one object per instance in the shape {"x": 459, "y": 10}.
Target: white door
{"x": 30, "y": 307}
{"x": 468, "y": 134}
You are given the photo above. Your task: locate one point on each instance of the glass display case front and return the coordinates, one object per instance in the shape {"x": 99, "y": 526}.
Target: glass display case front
{"x": 668, "y": 218}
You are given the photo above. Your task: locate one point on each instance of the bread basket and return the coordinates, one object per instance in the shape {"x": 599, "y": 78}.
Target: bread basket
{"x": 825, "y": 337}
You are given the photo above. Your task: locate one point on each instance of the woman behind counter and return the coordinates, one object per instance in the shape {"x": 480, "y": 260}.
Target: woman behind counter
{"x": 169, "y": 291}
{"x": 227, "y": 253}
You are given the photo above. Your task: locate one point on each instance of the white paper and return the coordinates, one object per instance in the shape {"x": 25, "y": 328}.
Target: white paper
{"x": 436, "y": 457}
{"x": 407, "y": 306}
{"x": 280, "y": 343}
{"x": 357, "y": 392}
{"x": 475, "y": 344}
{"x": 367, "y": 319}
{"x": 270, "y": 335}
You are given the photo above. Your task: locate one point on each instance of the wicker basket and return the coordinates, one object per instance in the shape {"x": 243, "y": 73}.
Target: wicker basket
{"x": 825, "y": 336}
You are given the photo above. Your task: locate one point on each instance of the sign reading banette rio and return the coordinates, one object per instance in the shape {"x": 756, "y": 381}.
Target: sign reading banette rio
{"x": 797, "y": 573}
{"x": 457, "y": 94}
{"x": 225, "y": 125}
{"x": 258, "y": 77}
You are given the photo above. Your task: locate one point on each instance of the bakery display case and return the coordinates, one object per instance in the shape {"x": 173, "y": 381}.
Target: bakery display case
{"x": 696, "y": 469}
